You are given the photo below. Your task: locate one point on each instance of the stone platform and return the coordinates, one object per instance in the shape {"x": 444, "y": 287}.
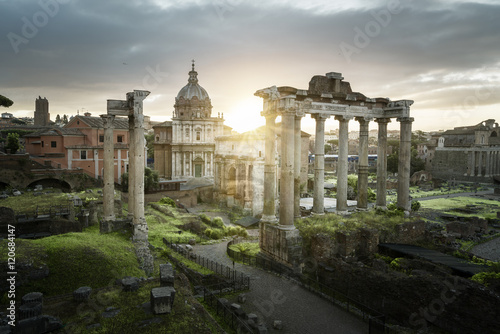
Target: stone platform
{"x": 330, "y": 204}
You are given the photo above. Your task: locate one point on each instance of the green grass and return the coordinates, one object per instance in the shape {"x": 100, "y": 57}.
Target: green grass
{"x": 246, "y": 248}
{"x": 488, "y": 208}
{"x": 77, "y": 259}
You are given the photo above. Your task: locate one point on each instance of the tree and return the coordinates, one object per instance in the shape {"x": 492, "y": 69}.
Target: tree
{"x": 328, "y": 148}
{"x": 65, "y": 119}
{"x": 58, "y": 119}
{"x": 150, "y": 144}
{"x": 416, "y": 163}
{"x": 5, "y": 101}
{"x": 13, "y": 143}
{"x": 151, "y": 179}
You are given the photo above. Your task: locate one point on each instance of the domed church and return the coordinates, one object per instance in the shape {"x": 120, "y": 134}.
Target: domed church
{"x": 184, "y": 147}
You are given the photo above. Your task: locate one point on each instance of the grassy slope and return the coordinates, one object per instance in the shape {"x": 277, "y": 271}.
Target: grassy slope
{"x": 447, "y": 205}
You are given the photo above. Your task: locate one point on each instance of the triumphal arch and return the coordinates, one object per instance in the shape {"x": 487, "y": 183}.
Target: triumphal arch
{"x": 327, "y": 96}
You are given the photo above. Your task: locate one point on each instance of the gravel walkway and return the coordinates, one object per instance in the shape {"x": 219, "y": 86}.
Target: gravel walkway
{"x": 276, "y": 298}
{"x": 489, "y": 250}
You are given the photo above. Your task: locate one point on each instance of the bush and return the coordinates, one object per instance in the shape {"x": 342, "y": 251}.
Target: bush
{"x": 168, "y": 201}
{"x": 217, "y": 222}
{"x": 415, "y": 206}
{"x": 206, "y": 219}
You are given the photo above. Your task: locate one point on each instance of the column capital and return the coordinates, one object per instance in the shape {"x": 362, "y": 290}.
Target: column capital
{"x": 383, "y": 120}
{"x": 405, "y": 119}
{"x": 320, "y": 117}
{"x": 343, "y": 118}
{"x": 299, "y": 114}
{"x": 107, "y": 120}
{"x": 363, "y": 119}
{"x": 269, "y": 114}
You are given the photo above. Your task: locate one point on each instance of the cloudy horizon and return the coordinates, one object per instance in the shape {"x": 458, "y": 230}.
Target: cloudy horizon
{"x": 441, "y": 54}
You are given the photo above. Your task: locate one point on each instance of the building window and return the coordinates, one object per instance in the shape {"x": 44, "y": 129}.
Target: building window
{"x": 187, "y": 133}
{"x": 119, "y": 139}
{"x": 198, "y": 135}
{"x": 101, "y": 138}
{"x": 83, "y": 155}
{"x": 42, "y": 143}
{"x": 53, "y": 144}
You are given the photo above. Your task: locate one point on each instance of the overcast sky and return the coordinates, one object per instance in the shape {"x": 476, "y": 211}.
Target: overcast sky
{"x": 444, "y": 55}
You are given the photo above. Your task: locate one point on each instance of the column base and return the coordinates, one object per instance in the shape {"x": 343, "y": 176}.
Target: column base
{"x": 342, "y": 213}
{"x": 269, "y": 219}
{"x": 362, "y": 209}
{"x": 281, "y": 243}
{"x": 317, "y": 213}
{"x": 381, "y": 207}
{"x": 141, "y": 231}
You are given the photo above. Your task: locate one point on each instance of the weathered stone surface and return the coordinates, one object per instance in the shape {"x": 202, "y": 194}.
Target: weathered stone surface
{"x": 29, "y": 310}
{"x": 162, "y": 299}
{"x": 32, "y": 297}
{"x": 130, "y": 283}
{"x": 242, "y": 298}
{"x": 111, "y": 312}
{"x": 278, "y": 324}
{"x": 167, "y": 274}
{"x": 461, "y": 228}
{"x": 82, "y": 293}
{"x": 39, "y": 324}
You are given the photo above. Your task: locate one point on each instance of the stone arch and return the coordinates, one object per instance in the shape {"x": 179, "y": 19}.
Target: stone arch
{"x": 51, "y": 182}
{"x": 493, "y": 134}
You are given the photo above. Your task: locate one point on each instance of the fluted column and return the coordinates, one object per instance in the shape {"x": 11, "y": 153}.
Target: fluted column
{"x": 382, "y": 162}
{"x": 269, "y": 210}
{"x": 109, "y": 169}
{"x": 342, "y": 165}
{"x": 287, "y": 165}
{"x": 404, "y": 163}
{"x": 297, "y": 164}
{"x": 363, "y": 163}
{"x": 319, "y": 164}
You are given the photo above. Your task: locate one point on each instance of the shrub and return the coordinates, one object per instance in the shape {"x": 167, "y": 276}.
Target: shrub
{"x": 168, "y": 201}
{"x": 217, "y": 222}
{"x": 415, "y": 206}
{"x": 206, "y": 219}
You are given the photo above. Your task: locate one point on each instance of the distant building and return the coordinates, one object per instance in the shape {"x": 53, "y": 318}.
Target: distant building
{"x": 42, "y": 115}
{"x": 469, "y": 153}
{"x": 185, "y": 147}
{"x": 239, "y": 168}
{"x": 79, "y": 144}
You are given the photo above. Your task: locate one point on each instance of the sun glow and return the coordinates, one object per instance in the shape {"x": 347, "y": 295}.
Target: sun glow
{"x": 245, "y": 115}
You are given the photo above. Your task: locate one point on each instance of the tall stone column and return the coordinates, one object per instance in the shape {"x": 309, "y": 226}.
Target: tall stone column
{"x": 140, "y": 225}
{"x": 363, "y": 163}
{"x": 269, "y": 211}
{"x": 131, "y": 168}
{"x": 297, "y": 164}
{"x": 480, "y": 164}
{"x": 404, "y": 163}
{"x": 473, "y": 163}
{"x": 487, "y": 171}
{"x": 287, "y": 166}
{"x": 319, "y": 164}
{"x": 109, "y": 169}
{"x": 342, "y": 165}
{"x": 382, "y": 162}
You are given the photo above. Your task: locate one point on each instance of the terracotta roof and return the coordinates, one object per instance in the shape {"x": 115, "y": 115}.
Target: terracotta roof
{"x": 163, "y": 124}
{"x": 97, "y": 122}
{"x": 56, "y": 132}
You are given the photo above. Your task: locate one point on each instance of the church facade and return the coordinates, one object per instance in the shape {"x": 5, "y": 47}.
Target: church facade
{"x": 185, "y": 146}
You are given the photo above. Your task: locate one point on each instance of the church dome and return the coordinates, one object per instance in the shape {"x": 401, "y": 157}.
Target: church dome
{"x": 193, "y": 89}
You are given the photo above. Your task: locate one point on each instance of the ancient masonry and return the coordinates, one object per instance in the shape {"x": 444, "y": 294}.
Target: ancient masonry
{"x": 132, "y": 108}
{"x": 327, "y": 96}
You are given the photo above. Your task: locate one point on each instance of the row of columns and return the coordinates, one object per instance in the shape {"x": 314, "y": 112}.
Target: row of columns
{"x": 484, "y": 163}
{"x": 290, "y": 165}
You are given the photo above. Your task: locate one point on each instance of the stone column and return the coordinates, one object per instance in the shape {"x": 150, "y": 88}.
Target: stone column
{"x": 404, "y": 163}
{"x": 487, "y": 171}
{"x": 480, "y": 163}
{"x": 140, "y": 225}
{"x": 287, "y": 165}
{"x": 131, "y": 168}
{"x": 109, "y": 169}
{"x": 319, "y": 164}
{"x": 382, "y": 162}
{"x": 473, "y": 163}
{"x": 363, "y": 163}
{"x": 269, "y": 211}
{"x": 342, "y": 165}
{"x": 296, "y": 167}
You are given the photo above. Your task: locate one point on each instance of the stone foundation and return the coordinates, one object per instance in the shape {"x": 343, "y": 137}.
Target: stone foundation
{"x": 281, "y": 244}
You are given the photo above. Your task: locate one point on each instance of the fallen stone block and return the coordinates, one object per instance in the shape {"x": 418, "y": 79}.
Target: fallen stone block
{"x": 130, "y": 284}
{"x": 30, "y": 310}
{"x": 82, "y": 293}
{"x": 242, "y": 298}
{"x": 167, "y": 274}
{"x": 278, "y": 324}
{"x": 39, "y": 324}
{"x": 32, "y": 297}
{"x": 162, "y": 299}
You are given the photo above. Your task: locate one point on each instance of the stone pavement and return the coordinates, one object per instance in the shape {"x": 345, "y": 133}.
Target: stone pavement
{"x": 489, "y": 250}
{"x": 276, "y": 298}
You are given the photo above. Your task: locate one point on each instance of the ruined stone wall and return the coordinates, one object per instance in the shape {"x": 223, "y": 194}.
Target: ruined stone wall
{"x": 449, "y": 164}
